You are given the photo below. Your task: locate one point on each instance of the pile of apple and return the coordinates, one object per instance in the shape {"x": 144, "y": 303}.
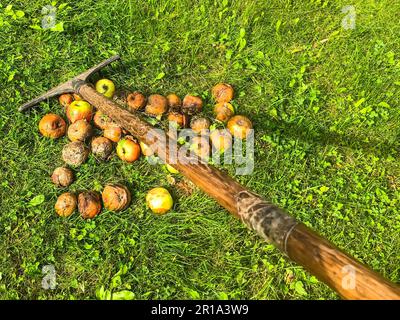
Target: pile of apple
{"x": 84, "y": 138}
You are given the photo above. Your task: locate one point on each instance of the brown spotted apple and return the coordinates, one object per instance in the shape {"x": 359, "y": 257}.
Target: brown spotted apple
{"x": 66, "y": 204}
{"x": 136, "y": 101}
{"x": 89, "y": 204}
{"x": 66, "y": 99}
{"x": 116, "y": 197}
{"x": 52, "y": 126}
{"x": 222, "y": 92}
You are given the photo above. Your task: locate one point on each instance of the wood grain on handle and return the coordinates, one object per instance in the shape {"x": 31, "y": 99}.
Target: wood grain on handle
{"x": 348, "y": 277}
{"x": 301, "y": 244}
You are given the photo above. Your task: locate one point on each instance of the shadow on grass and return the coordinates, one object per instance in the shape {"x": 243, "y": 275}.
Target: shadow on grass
{"x": 314, "y": 134}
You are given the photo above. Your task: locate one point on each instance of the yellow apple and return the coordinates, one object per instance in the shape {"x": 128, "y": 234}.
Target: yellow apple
{"x": 106, "y": 87}
{"x": 171, "y": 169}
{"x": 79, "y": 110}
{"x": 159, "y": 200}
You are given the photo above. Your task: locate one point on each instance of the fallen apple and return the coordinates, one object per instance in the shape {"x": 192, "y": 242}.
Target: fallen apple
{"x": 240, "y": 126}
{"x": 128, "y": 149}
{"x": 106, "y": 87}
{"x": 75, "y": 153}
{"x": 65, "y": 204}
{"x": 113, "y": 132}
{"x": 77, "y": 97}
{"x": 62, "y": 177}
{"x": 79, "y": 131}
{"x": 136, "y": 101}
{"x": 156, "y": 105}
{"x": 89, "y": 204}
{"x": 52, "y": 126}
{"x": 146, "y": 150}
{"x": 66, "y": 99}
{"x": 79, "y": 110}
{"x": 192, "y": 105}
{"x": 116, "y": 197}
{"x": 223, "y": 111}
{"x": 101, "y": 147}
{"x": 179, "y": 119}
{"x": 120, "y": 96}
{"x": 222, "y": 92}
{"x": 101, "y": 120}
{"x": 200, "y": 124}
{"x": 221, "y": 139}
{"x": 174, "y": 102}
{"x": 171, "y": 169}
{"x": 159, "y": 200}
{"x": 200, "y": 146}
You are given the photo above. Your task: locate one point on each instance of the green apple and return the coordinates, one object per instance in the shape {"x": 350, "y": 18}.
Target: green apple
{"x": 106, "y": 87}
{"x": 79, "y": 110}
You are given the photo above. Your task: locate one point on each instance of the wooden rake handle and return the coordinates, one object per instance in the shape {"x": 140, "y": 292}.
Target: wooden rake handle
{"x": 345, "y": 275}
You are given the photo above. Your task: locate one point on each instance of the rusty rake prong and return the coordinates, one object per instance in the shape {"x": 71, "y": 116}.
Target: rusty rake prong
{"x": 67, "y": 87}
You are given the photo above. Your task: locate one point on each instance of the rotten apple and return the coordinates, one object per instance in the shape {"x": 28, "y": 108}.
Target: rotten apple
{"x": 223, "y": 111}
{"x": 200, "y": 124}
{"x": 113, "y": 132}
{"x": 136, "y": 101}
{"x": 75, "y": 153}
{"x": 78, "y": 110}
{"x": 179, "y": 119}
{"x": 156, "y": 105}
{"x": 222, "y": 92}
{"x": 106, "y": 87}
{"x": 66, "y": 99}
{"x": 62, "y": 177}
{"x": 101, "y": 120}
{"x": 65, "y": 204}
{"x": 89, "y": 204}
{"x": 101, "y": 147}
{"x": 159, "y": 200}
{"x": 192, "y": 105}
{"x": 174, "y": 102}
{"x": 120, "y": 96}
{"x": 221, "y": 139}
{"x": 79, "y": 131}
{"x": 52, "y": 126}
{"x": 128, "y": 149}
{"x": 240, "y": 126}
{"x": 116, "y": 197}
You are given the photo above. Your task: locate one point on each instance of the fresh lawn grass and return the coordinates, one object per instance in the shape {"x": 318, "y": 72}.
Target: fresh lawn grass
{"x": 327, "y": 125}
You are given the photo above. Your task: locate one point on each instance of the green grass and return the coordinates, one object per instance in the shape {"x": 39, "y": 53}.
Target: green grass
{"x": 325, "y": 116}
